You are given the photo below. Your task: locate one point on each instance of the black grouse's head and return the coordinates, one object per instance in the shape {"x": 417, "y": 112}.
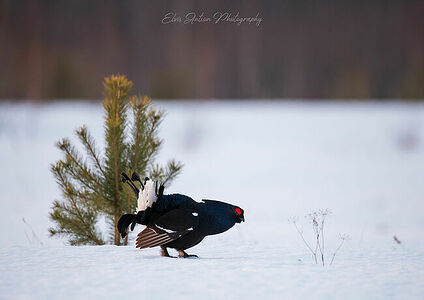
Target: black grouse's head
{"x": 239, "y": 214}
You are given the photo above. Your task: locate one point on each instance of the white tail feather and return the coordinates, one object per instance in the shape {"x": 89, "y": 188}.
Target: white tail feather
{"x": 147, "y": 196}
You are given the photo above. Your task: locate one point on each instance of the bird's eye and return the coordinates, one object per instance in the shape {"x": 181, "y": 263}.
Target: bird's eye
{"x": 238, "y": 211}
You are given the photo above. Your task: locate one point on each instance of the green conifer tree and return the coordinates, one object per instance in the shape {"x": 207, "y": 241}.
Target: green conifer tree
{"x": 92, "y": 186}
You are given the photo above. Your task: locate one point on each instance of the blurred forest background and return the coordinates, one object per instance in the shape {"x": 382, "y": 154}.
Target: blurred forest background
{"x": 55, "y": 49}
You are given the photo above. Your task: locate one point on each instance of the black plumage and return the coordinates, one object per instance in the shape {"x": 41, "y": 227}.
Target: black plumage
{"x": 177, "y": 221}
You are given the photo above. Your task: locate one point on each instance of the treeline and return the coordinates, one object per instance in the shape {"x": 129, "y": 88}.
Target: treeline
{"x": 301, "y": 49}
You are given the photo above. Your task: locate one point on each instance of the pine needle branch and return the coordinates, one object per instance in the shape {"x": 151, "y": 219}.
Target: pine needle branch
{"x": 79, "y": 170}
{"x": 166, "y": 175}
{"x": 88, "y": 141}
{"x": 78, "y": 217}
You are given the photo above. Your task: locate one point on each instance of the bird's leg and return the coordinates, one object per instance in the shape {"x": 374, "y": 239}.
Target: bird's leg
{"x": 182, "y": 253}
{"x": 164, "y": 252}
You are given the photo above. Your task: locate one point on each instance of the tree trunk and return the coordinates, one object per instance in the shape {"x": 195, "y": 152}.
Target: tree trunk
{"x": 128, "y": 211}
{"x": 117, "y": 238}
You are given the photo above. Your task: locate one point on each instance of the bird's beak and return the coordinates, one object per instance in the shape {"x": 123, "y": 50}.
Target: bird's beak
{"x": 242, "y": 218}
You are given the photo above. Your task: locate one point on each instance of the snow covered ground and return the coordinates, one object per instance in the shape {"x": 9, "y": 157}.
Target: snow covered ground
{"x": 225, "y": 271}
{"x": 364, "y": 161}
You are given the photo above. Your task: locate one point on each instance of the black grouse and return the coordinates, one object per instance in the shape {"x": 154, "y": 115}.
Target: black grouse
{"x": 175, "y": 221}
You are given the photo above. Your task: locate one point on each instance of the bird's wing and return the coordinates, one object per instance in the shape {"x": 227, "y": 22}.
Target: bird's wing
{"x": 151, "y": 237}
{"x": 168, "y": 227}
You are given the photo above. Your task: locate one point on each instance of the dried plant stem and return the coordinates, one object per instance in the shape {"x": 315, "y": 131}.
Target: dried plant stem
{"x": 317, "y": 219}
{"x": 33, "y": 233}
{"x": 321, "y": 248}
{"x": 337, "y": 249}
{"x": 316, "y": 248}
{"x": 314, "y": 253}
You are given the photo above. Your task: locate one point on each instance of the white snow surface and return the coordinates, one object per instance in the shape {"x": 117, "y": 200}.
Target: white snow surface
{"x": 276, "y": 160}
{"x": 147, "y": 196}
{"x": 223, "y": 271}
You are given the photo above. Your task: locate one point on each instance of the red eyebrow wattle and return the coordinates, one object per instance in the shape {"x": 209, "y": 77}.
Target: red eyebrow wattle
{"x": 238, "y": 211}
